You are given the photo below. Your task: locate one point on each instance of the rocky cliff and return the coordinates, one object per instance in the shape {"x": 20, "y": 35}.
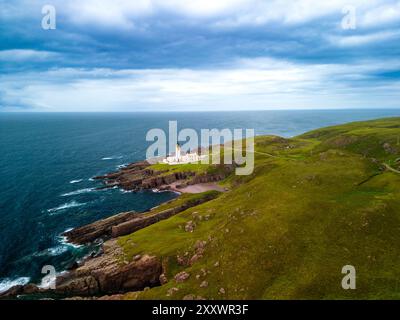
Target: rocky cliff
{"x": 106, "y": 274}
{"x": 128, "y": 222}
{"x": 141, "y": 175}
{"x": 98, "y": 276}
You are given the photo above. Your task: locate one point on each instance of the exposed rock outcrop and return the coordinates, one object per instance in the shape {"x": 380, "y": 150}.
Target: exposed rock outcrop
{"x": 189, "y": 227}
{"x": 181, "y": 276}
{"x": 139, "y": 176}
{"x": 389, "y": 148}
{"x": 126, "y": 223}
{"x": 142, "y": 221}
{"x": 103, "y": 275}
{"x": 98, "y": 229}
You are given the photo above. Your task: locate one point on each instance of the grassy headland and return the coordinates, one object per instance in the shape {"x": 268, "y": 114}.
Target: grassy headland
{"x": 313, "y": 204}
{"x": 324, "y": 200}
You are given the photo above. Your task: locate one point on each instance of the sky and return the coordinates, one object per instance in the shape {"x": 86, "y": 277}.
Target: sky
{"x": 199, "y": 55}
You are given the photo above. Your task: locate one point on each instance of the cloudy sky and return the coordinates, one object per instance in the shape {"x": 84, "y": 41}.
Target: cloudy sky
{"x": 171, "y": 55}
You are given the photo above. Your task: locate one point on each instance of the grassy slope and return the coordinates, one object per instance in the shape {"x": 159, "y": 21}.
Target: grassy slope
{"x": 189, "y": 167}
{"x": 198, "y": 168}
{"x": 184, "y": 199}
{"x": 287, "y": 230}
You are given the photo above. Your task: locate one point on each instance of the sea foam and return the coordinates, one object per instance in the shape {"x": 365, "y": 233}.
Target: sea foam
{"x": 53, "y": 252}
{"x": 76, "y": 192}
{"x": 125, "y": 191}
{"x": 121, "y": 166}
{"x": 8, "y": 283}
{"x": 75, "y": 181}
{"x": 64, "y": 241}
{"x": 64, "y": 206}
{"x": 112, "y": 158}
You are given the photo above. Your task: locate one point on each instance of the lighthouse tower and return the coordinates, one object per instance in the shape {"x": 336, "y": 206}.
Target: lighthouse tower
{"x": 178, "y": 152}
{"x": 179, "y": 158}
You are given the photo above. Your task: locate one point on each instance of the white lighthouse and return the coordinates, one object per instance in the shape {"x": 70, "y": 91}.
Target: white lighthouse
{"x": 179, "y": 158}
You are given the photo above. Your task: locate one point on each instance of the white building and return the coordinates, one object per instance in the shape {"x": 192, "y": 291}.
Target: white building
{"x": 180, "y": 158}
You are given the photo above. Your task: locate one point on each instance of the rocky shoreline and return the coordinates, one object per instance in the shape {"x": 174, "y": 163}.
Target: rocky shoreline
{"x": 140, "y": 176}
{"x": 124, "y": 223}
{"x": 102, "y": 275}
{"x": 105, "y": 274}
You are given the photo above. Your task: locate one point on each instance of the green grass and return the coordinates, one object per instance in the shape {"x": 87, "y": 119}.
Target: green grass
{"x": 197, "y": 168}
{"x": 186, "y": 198}
{"x": 321, "y": 201}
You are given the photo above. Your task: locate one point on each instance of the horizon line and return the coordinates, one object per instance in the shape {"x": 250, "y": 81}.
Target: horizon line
{"x": 203, "y": 111}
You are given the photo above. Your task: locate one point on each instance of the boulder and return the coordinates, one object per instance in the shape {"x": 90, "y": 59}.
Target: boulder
{"x": 163, "y": 279}
{"x": 389, "y": 149}
{"x": 181, "y": 276}
{"x": 189, "y": 227}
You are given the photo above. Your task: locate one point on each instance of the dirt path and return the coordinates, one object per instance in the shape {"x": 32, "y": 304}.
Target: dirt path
{"x": 198, "y": 188}
{"x": 390, "y": 168}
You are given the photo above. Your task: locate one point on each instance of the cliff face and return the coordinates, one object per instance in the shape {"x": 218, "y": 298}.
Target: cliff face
{"x": 128, "y": 222}
{"x": 98, "y": 229}
{"x": 141, "y": 175}
{"x": 108, "y": 274}
{"x": 98, "y": 276}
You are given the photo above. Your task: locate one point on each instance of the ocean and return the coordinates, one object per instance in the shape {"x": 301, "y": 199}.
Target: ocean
{"x": 48, "y": 159}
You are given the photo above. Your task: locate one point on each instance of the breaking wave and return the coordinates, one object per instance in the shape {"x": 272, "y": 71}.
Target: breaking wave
{"x": 76, "y": 181}
{"x": 76, "y": 192}
{"x": 112, "y": 158}
{"x": 121, "y": 166}
{"x": 52, "y": 252}
{"x": 72, "y": 204}
{"x": 8, "y": 283}
{"x": 64, "y": 241}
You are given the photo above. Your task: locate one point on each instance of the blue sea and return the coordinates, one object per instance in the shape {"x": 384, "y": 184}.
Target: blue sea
{"x": 48, "y": 159}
